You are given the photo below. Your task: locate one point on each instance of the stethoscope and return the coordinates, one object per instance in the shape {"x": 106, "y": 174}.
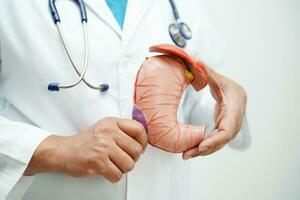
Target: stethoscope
{"x": 179, "y": 33}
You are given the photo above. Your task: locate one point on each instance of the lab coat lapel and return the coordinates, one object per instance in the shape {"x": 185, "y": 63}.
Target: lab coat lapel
{"x": 101, "y": 9}
{"x": 135, "y": 13}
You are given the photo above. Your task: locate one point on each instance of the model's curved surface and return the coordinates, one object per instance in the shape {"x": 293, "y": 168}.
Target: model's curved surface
{"x": 159, "y": 86}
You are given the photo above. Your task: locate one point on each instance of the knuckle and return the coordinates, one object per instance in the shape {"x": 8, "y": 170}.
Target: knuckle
{"x": 105, "y": 125}
{"x": 102, "y": 149}
{"x": 91, "y": 161}
{"x": 118, "y": 137}
{"x": 138, "y": 150}
{"x": 146, "y": 143}
{"x": 78, "y": 175}
{"x": 217, "y": 144}
{"x": 109, "y": 119}
{"x": 141, "y": 128}
{"x": 227, "y": 138}
{"x": 245, "y": 96}
{"x": 103, "y": 143}
{"x": 196, "y": 154}
{"x": 242, "y": 91}
{"x": 102, "y": 153}
{"x": 106, "y": 128}
{"x": 91, "y": 171}
{"x": 116, "y": 177}
{"x": 95, "y": 163}
{"x": 129, "y": 166}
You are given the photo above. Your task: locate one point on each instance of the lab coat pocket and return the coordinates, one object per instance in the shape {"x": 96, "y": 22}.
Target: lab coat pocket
{"x": 20, "y": 188}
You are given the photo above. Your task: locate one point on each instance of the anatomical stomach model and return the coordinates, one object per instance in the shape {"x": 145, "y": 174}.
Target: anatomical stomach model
{"x": 159, "y": 86}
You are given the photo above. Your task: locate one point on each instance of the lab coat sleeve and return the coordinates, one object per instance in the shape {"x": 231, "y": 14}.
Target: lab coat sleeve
{"x": 18, "y": 141}
{"x": 199, "y": 107}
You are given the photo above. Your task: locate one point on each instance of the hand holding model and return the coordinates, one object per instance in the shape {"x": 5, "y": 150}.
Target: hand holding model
{"x": 108, "y": 148}
{"x": 159, "y": 87}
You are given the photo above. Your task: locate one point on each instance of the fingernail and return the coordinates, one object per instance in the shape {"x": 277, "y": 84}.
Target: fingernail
{"x": 203, "y": 149}
{"x": 187, "y": 157}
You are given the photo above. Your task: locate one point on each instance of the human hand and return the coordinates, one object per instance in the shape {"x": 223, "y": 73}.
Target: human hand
{"x": 108, "y": 148}
{"x": 229, "y": 114}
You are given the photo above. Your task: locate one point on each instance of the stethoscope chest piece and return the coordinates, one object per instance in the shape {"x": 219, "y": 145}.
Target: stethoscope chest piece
{"x": 179, "y": 31}
{"x": 176, "y": 36}
{"x": 185, "y": 30}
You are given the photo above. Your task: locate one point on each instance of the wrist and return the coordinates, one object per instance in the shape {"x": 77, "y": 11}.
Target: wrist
{"x": 47, "y": 156}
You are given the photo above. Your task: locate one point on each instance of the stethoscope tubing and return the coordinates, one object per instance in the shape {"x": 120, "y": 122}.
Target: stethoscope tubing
{"x": 57, "y": 21}
{"x": 175, "y": 11}
{"x": 55, "y": 14}
{"x": 81, "y": 75}
{"x": 179, "y": 33}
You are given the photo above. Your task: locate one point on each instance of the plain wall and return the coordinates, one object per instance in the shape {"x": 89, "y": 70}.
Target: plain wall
{"x": 262, "y": 38}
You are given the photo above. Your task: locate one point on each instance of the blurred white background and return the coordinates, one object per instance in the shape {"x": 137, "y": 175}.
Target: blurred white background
{"x": 262, "y": 38}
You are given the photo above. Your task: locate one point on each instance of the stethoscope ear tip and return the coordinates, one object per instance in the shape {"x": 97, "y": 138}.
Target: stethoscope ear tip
{"x": 53, "y": 87}
{"x": 104, "y": 87}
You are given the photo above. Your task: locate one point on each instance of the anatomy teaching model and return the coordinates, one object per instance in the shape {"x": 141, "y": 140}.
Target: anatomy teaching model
{"x": 159, "y": 86}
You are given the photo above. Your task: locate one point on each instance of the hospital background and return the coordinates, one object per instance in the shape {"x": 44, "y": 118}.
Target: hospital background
{"x": 262, "y": 38}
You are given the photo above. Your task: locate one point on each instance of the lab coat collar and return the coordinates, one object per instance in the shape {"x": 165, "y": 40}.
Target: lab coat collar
{"x": 135, "y": 13}
{"x": 101, "y": 9}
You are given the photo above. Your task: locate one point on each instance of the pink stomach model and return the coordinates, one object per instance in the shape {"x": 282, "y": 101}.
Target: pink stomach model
{"x": 159, "y": 86}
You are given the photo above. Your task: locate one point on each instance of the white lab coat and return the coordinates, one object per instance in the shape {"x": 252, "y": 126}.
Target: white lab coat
{"x": 33, "y": 56}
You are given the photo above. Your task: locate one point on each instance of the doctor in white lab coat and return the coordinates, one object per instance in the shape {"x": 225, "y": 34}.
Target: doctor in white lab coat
{"x": 49, "y": 140}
